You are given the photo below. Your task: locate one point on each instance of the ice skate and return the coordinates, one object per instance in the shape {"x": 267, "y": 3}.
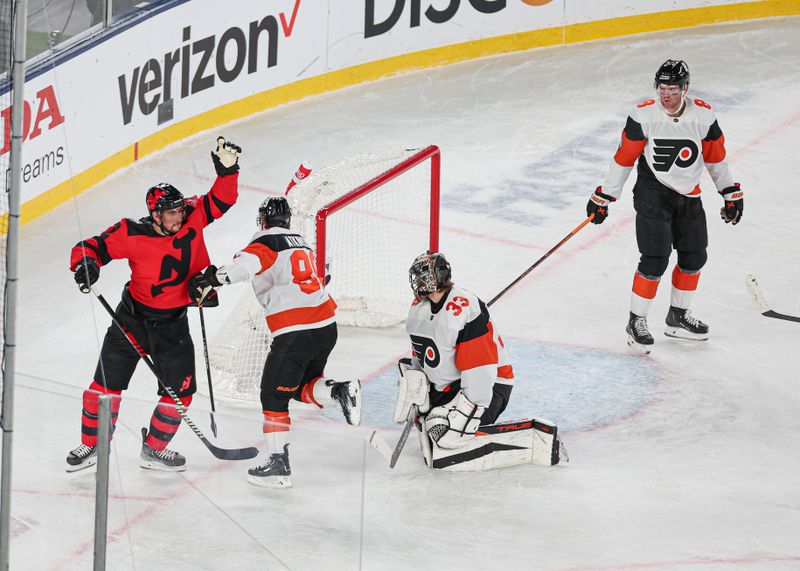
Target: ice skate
{"x": 166, "y": 459}
{"x": 638, "y": 335}
{"x": 81, "y": 458}
{"x": 348, "y": 395}
{"x": 274, "y": 472}
{"x": 681, "y": 324}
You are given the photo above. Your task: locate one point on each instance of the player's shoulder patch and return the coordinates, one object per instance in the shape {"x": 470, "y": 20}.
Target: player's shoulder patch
{"x": 701, "y": 103}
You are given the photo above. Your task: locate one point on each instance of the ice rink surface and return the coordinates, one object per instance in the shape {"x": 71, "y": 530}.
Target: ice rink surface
{"x": 686, "y": 458}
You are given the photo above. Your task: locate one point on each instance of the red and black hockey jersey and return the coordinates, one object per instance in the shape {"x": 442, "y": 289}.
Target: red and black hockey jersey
{"x": 162, "y": 265}
{"x": 671, "y": 150}
{"x": 459, "y": 341}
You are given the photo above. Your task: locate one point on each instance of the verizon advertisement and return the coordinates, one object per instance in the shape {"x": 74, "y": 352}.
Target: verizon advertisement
{"x": 172, "y": 68}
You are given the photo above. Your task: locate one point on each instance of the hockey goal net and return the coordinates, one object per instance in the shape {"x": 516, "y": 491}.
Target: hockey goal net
{"x": 367, "y": 217}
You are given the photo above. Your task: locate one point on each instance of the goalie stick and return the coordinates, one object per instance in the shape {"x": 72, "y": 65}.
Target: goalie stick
{"x": 221, "y": 453}
{"x": 379, "y": 444}
{"x": 761, "y": 303}
{"x": 377, "y": 441}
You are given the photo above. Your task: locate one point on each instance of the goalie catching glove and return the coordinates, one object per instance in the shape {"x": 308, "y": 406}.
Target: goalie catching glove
{"x": 733, "y": 208}
{"x": 455, "y": 425}
{"x": 226, "y": 157}
{"x": 201, "y": 286}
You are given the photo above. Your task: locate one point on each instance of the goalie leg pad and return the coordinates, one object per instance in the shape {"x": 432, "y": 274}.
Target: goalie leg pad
{"x": 500, "y": 445}
{"x": 412, "y": 388}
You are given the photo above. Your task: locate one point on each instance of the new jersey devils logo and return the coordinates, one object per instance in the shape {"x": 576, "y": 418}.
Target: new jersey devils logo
{"x": 680, "y": 152}
{"x": 179, "y": 267}
{"x": 425, "y": 350}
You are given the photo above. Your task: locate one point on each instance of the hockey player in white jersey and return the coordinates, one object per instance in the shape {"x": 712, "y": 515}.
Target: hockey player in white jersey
{"x": 301, "y": 318}
{"x": 673, "y": 137}
{"x": 461, "y": 379}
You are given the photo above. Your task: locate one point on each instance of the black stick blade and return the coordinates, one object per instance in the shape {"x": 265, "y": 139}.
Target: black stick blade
{"x": 231, "y": 453}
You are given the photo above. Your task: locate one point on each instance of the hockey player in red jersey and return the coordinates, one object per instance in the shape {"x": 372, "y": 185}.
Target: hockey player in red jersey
{"x": 163, "y": 250}
{"x": 461, "y": 379}
{"x": 302, "y": 319}
{"x": 672, "y": 137}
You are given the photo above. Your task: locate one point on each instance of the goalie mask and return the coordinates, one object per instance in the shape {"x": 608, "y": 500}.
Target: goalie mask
{"x": 163, "y": 196}
{"x": 429, "y": 273}
{"x": 274, "y": 211}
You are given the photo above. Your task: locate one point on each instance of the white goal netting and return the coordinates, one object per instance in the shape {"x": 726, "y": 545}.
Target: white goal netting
{"x": 367, "y": 217}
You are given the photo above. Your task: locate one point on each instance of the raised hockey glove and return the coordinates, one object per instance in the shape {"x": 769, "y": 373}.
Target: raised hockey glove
{"x": 201, "y": 287}
{"x": 598, "y": 205}
{"x": 733, "y": 208}
{"x": 454, "y": 426}
{"x": 86, "y": 273}
{"x": 226, "y": 157}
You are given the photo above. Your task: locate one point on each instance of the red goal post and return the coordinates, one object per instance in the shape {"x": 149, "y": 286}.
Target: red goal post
{"x": 431, "y": 153}
{"x": 367, "y": 217}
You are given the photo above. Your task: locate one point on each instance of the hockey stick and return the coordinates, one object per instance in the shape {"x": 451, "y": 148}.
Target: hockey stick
{"x": 221, "y": 453}
{"x": 761, "y": 303}
{"x": 542, "y": 259}
{"x": 379, "y": 444}
{"x": 208, "y": 369}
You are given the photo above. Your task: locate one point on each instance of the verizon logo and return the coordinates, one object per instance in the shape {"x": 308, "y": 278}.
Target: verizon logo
{"x": 199, "y": 64}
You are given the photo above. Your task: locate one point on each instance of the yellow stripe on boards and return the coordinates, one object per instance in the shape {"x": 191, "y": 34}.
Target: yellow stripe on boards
{"x": 436, "y": 57}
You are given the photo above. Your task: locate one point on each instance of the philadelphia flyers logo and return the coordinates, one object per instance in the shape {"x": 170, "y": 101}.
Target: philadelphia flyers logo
{"x": 425, "y": 351}
{"x": 175, "y": 268}
{"x": 679, "y": 152}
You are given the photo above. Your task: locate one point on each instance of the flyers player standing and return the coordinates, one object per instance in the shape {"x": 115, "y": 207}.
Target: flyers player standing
{"x": 302, "y": 319}
{"x": 456, "y": 345}
{"x": 163, "y": 250}
{"x": 672, "y": 137}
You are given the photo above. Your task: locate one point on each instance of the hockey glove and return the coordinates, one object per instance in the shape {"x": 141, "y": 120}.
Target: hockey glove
{"x": 733, "y": 208}
{"x": 86, "y": 273}
{"x": 454, "y": 427}
{"x": 226, "y": 157}
{"x": 598, "y": 205}
{"x": 201, "y": 287}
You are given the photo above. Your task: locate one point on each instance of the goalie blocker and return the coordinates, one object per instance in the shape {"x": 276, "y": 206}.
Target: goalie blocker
{"x": 494, "y": 446}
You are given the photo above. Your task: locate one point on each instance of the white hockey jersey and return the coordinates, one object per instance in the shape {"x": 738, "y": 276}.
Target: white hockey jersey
{"x": 459, "y": 341}
{"x": 674, "y": 149}
{"x": 282, "y": 269}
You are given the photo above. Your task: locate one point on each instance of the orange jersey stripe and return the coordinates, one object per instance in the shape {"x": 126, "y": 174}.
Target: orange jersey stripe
{"x": 505, "y": 372}
{"x": 302, "y": 316}
{"x": 643, "y": 287}
{"x": 628, "y": 151}
{"x": 714, "y": 151}
{"x": 683, "y": 281}
{"x": 266, "y": 256}
{"x": 477, "y": 352}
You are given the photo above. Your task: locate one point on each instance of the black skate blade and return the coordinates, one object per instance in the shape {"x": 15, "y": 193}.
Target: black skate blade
{"x": 638, "y": 347}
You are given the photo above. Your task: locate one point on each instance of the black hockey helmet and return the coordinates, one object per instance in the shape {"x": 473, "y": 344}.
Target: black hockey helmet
{"x": 163, "y": 196}
{"x": 274, "y": 211}
{"x": 429, "y": 273}
{"x": 672, "y": 72}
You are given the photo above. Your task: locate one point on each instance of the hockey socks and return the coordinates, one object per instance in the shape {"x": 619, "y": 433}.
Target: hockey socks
{"x": 165, "y": 422}
{"x": 90, "y": 412}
